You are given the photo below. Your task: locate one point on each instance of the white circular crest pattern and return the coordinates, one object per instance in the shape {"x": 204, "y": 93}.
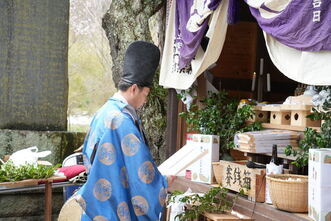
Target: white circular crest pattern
{"x": 113, "y": 119}
{"x": 102, "y": 190}
{"x": 146, "y": 172}
{"x": 123, "y": 212}
{"x": 140, "y": 205}
{"x": 100, "y": 218}
{"x": 130, "y": 144}
{"x": 107, "y": 154}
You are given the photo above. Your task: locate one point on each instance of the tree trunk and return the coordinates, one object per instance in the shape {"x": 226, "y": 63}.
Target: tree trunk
{"x": 125, "y": 22}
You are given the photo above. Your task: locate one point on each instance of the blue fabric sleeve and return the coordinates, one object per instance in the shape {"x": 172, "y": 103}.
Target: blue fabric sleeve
{"x": 147, "y": 186}
{"x": 124, "y": 182}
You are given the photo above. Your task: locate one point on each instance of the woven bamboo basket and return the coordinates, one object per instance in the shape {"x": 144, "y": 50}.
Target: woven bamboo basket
{"x": 289, "y": 195}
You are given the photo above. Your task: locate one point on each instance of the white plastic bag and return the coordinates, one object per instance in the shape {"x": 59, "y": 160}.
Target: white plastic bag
{"x": 28, "y": 156}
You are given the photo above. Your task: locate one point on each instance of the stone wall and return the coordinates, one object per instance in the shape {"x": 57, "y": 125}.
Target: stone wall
{"x": 61, "y": 143}
{"x": 28, "y": 206}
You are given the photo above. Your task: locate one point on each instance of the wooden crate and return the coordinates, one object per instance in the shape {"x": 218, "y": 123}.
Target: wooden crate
{"x": 236, "y": 176}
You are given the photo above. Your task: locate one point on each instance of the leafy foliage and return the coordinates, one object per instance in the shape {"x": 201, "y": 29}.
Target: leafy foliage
{"x": 9, "y": 172}
{"x": 214, "y": 201}
{"x": 312, "y": 138}
{"x": 220, "y": 116}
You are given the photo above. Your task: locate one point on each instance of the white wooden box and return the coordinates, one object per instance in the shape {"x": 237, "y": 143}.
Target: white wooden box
{"x": 319, "y": 185}
{"x": 202, "y": 170}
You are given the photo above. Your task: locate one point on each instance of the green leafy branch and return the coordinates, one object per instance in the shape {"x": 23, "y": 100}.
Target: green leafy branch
{"x": 220, "y": 116}
{"x": 9, "y": 172}
{"x": 312, "y": 138}
{"x": 214, "y": 201}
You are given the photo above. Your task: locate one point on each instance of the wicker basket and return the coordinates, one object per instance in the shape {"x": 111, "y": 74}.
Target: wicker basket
{"x": 289, "y": 195}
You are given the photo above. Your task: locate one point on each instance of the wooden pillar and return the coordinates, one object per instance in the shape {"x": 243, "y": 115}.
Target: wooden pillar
{"x": 172, "y": 117}
{"x": 48, "y": 201}
{"x": 181, "y": 127}
{"x": 202, "y": 88}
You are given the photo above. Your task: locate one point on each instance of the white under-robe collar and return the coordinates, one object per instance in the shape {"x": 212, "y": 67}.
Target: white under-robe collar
{"x": 128, "y": 108}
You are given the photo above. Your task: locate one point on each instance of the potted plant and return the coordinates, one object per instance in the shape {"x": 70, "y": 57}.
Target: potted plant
{"x": 312, "y": 138}
{"x": 215, "y": 205}
{"x": 220, "y": 115}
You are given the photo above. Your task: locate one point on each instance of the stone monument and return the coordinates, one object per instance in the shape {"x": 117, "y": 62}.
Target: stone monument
{"x": 34, "y": 91}
{"x": 33, "y": 64}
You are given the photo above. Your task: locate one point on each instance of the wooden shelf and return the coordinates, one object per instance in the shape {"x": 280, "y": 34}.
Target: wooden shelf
{"x": 270, "y": 107}
{"x": 296, "y": 107}
{"x": 287, "y": 127}
{"x": 283, "y": 107}
{"x": 259, "y": 211}
{"x": 279, "y": 155}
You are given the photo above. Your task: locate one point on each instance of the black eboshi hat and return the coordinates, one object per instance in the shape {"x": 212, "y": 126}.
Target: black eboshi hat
{"x": 140, "y": 63}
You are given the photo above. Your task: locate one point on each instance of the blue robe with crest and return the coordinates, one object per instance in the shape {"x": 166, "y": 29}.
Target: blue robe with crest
{"x": 123, "y": 181}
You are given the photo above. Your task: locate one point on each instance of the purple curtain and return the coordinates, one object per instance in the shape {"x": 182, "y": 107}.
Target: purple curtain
{"x": 302, "y": 24}
{"x": 191, "y": 23}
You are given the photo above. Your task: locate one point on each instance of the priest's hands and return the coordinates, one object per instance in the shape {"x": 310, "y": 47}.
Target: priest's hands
{"x": 171, "y": 179}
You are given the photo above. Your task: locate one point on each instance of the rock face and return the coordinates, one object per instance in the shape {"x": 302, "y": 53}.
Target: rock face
{"x": 60, "y": 143}
{"x": 127, "y": 21}
{"x": 33, "y": 64}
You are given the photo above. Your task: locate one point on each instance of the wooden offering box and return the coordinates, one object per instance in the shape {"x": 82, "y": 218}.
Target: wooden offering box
{"x": 260, "y": 115}
{"x": 299, "y": 115}
{"x": 289, "y": 117}
{"x": 277, "y": 115}
{"x": 236, "y": 176}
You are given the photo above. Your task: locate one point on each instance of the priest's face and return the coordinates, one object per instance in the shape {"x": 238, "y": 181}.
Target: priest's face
{"x": 140, "y": 97}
